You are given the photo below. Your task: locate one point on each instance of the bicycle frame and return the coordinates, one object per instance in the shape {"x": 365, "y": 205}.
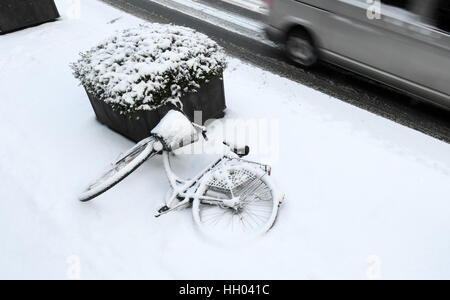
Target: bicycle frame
{"x": 184, "y": 190}
{"x": 181, "y": 195}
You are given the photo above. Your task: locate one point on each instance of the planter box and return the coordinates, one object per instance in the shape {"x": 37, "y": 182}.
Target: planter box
{"x": 210, "y": 100}
{"x": 17, "y": 14}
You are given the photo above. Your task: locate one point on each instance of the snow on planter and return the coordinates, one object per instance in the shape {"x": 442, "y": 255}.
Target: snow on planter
{"x": 144, "y": 70}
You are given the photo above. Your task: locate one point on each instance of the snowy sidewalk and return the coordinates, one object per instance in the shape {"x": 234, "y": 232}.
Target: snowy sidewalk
{"x": 367, "y": 198}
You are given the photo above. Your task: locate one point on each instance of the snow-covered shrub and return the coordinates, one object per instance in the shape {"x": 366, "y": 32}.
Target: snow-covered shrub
{"x": 146, "y": 67}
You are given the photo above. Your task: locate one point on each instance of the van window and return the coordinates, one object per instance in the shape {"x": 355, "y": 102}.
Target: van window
{"x": 442, "y": 15}
{"x": 397, "y": 3}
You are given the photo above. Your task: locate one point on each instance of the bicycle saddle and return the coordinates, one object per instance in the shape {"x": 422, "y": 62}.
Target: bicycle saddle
{"x": 175, "y": 131}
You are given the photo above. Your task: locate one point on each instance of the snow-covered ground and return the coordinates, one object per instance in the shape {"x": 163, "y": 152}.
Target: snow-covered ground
{"x": 367, "y": 198}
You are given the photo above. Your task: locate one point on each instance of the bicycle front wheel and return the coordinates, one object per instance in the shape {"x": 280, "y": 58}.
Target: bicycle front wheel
{"x": 126, "y": 164}
{"x": 246, "y": 206}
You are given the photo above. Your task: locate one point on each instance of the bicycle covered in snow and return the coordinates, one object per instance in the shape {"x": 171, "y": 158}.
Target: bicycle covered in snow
{"x": 231, "y": 196}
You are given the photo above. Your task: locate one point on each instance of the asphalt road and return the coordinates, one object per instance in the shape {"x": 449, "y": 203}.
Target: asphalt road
{"x": 329, "y": 79}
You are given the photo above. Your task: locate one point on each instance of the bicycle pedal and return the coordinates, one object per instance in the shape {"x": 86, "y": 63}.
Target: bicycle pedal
{"x": 163, "y": 209}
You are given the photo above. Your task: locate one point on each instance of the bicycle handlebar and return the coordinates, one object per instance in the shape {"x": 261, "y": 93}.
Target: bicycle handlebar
{"x": 240, "y": 151}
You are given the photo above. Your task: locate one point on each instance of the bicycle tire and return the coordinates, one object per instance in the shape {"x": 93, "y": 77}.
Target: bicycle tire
{"x": 258, "y": 174}
{"x": 96, "y": 189}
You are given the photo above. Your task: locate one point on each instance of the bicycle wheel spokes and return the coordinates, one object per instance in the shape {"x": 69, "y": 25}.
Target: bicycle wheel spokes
{"x": 255, "y": 209}
{"x": 118, "y": 166}
{"x": 121, "y": 168}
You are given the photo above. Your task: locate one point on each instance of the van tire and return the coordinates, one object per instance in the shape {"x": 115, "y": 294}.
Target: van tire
{"x": 300, "y": 48}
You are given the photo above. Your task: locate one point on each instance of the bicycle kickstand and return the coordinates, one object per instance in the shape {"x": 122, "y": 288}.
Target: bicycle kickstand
{"x": 165, "y": 209}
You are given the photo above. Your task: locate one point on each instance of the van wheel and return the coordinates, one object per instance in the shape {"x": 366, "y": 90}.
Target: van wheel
{"x": 300, "y": 48}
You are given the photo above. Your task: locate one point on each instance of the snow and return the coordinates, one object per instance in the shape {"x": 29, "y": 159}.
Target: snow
{"x": 366, "y": 197}
{"x": 175, "y": 130}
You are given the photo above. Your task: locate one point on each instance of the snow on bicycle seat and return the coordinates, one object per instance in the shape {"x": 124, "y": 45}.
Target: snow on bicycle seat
{"x": 175, "y": 131}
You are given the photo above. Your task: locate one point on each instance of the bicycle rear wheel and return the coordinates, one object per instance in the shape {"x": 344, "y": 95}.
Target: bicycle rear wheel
{"x": 256, "y": 209}
{"x": 126, "y": 164}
